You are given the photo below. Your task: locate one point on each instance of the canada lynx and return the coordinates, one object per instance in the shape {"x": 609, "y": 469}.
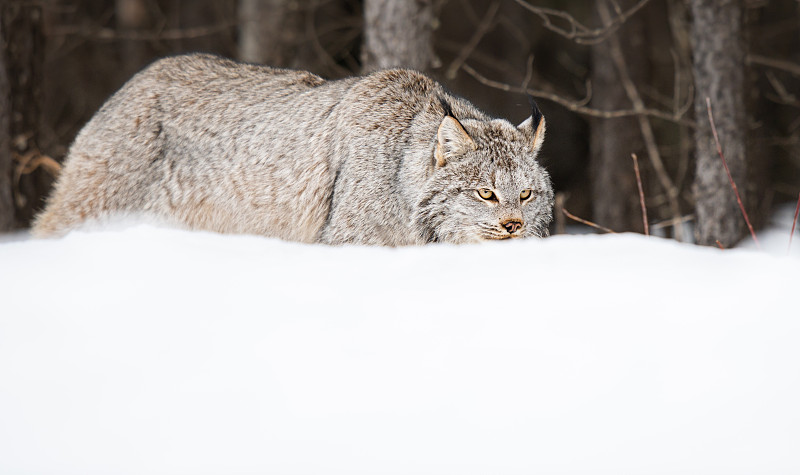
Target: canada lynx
{"x": 390, "y": 158}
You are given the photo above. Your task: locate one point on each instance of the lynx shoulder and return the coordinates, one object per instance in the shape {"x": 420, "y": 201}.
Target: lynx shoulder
{"x": 390, "y": 158}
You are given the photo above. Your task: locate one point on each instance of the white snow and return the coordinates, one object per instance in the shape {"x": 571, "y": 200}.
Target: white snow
{"x": 149, "y": 350}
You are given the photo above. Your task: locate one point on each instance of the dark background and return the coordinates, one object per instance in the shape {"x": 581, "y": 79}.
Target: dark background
{"x": 63, "y": 59}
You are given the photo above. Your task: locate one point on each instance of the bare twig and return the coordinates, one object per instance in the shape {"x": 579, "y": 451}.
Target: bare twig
{"x": 33, "y": 159}
{"x": 322, "y": 54}
{"x": 521, "y": 35}
{"x": 794, "y": 222}
{"x": 583, "y": 221}
{"x": 719, "y": 245}
{"x": 26, "y": 163}
{"x": 728, "y": 171}
{"x": 578, "y": 106}
{"x": 482, "y": 59}
{"x": 681, "y": 57}
{"x": 784, "y": 96}
{"x": 110, "y": 34}
{"x": 577, "y": 31}
{"x": 778, "y": 86}
{"x": 469, "y": 11}
{"x": 671, "y": 222}
{"x": 641, "y": 194}
{"x": 789, "y": 67}
{"x": 528, "y": 71}
{"x": 676, "y": 81}
{"x": 486, "y": 25}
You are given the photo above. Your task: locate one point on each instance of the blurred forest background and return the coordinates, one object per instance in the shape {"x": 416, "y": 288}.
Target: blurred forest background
{"x": 613, "y": 78}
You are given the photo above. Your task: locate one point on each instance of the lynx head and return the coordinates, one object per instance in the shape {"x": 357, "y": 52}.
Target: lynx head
{"x": 486, "y": 183}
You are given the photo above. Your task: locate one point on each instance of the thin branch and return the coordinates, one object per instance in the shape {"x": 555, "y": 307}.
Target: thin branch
{"x": 784, "y": 96}
{"x": 728, "y": 171}
{"x": 26, "y": 164}
{"x": 322, "y": 54}
{"x": 641, "y": 194}
{"x": 33, "y": 159}
{"x": 486, "y": 25}
{"x": 676, "y": 81}
{"x": 528, "y": 71}
{"x": 477, "y": 57}
{"x": 678, "y": 18}
{"x": 520, "y": 35}
{"x": 583, "y": 221}
{"x": 469, "y": 11}
{"x": 789, "y": 67}
{"x": 576, "y": 106}
{"x": 110, "y": 34}
{"x": 671, "y": 222}
{"x": 794, "y": 222}
{"x": 578, "y": 32}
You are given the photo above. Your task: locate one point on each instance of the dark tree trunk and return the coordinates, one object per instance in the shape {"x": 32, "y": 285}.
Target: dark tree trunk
{"x": 615, "y": 198}
{"x": 717, "y": 44}
{"x": 133, "y": 15}
{"x": 759, "y": 195}
{"x": 6, "y": 199}
{"x": 273, "y": 32}
{"x": 212, "y": 15}
{"x": 22, "y": 29}
{"x": 398, "y": 34}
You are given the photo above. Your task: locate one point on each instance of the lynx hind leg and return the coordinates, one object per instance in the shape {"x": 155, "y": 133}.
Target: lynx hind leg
{"x": 62, "y": 214}
{"x": 50, "y": 223}
{"x": 76, "y": 198}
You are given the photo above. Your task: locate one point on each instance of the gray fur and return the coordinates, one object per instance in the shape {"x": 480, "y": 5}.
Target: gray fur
{"x": 212, "y": 144}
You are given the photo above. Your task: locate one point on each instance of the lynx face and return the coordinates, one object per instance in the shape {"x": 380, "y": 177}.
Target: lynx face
{"x": 486, "y": 184}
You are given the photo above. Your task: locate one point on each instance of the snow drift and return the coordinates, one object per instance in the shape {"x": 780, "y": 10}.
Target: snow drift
{"x": 151, "y": 350}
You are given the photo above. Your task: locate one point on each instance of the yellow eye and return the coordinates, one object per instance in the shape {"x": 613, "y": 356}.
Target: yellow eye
{"x": 525, "y": 195}
{"x": 486, "y": 194}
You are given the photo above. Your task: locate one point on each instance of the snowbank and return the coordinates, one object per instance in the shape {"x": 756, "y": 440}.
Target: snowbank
{"x": 158, "y": 351}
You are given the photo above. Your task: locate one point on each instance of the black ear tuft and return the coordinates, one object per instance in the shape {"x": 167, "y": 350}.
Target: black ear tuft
{"x": 536, "y": 114}
{"x": 448, "y": 110}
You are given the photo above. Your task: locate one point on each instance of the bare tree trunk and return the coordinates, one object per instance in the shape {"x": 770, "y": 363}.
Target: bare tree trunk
{"x": 6, "y": 200}
{"x": 759, "y": 195}
{"x": 398, "y": 34}
{"x": 717, "y": 43}
{"x": 273, "y": 32}
{"x": 22, "y": 28}
{"x": 203, "y": 14}
{"x": 132, "y": 15}
{"x": 615, "y": 202}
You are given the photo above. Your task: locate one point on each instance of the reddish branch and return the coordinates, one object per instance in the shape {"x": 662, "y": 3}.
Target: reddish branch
{"x": 728, "y": 171}
{"x": 794, "y": 222}
{"x": 583, "y": 221}
{"x": 641, "y": 194}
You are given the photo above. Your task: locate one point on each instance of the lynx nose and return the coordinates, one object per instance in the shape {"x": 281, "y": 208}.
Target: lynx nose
{"x": 512, "y": 225}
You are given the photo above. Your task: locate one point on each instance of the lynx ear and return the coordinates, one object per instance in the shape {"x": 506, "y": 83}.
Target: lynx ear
{"x": 452, "y": 141}
{"x": 534, "y": 126}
